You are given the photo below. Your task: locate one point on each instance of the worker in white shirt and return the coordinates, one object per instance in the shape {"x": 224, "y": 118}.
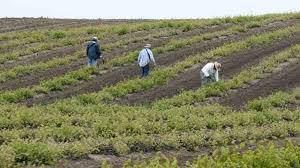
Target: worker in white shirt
{"x": 144, "y": 59}
{"x": 210, "y": 73}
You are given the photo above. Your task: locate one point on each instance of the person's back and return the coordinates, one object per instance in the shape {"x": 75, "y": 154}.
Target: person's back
{"x": 93, "y": 51}
{"x": 209, "y": 69}
{"x": 210, "y": 73}
{"x": 144, "y": 59}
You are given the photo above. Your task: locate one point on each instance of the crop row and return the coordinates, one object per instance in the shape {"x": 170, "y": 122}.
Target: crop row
{"x": 279, "y": 99}
{"x": 162, "y": 75}
{"x": 263, "y": 156}
{"x": 84, "y": 73}
{"x": 41, "y": 135}
{"x": 60, "y": 39}
{"x": 78, "y": 35}
{"x": 222, "y": 87}
{"x": 266, "y": 66}
{"x": 131, "y": 131}
{"x": 27, "y": 69}
{"x": 126, "y": 28}
{"x": 105, "y": 31}
{"x": 125, "y": 128}
{"x": 159, "y": 76}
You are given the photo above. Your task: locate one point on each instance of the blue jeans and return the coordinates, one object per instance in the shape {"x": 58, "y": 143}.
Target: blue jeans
{"x": 92, "y": 62}
{"x": 206, "y": 80}
{"x": 145, "y": 71}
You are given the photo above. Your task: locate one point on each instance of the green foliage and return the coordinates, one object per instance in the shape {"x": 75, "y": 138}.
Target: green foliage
{"x": 92, "y": 31}
{"x": 122, "y": 30}
{"x": 269, "y": 156}
{"x": 73, "y": 128}
{"x": 58, "y": 34}
{"x": 33, "y": 153}
{"x": 279, "y": 99}
{"x": 7, "y": 157}
{"x": 16, "y": 96}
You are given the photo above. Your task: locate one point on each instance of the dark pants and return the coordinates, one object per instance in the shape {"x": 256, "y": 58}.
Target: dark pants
{"x": 207, "y": 80}
{"x": 145, "y": 71}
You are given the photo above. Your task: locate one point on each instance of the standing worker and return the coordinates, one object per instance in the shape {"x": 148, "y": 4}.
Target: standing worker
{"x": 93, "y": 52}
{"x": 144, "y": 59}
{"x": 210, "y": 73}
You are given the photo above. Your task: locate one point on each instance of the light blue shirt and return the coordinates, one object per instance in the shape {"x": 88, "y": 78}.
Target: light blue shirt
{"x": 143, "y": 58}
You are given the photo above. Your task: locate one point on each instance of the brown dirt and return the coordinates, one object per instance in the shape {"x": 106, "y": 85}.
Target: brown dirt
{"x": 21, "y": 24}
{"x": 25, "y": 26}
{"x": 131, "y": 71}
{"x": 285, "y": 80}
{"x": 190, "y": 80}
{"x": 62, "y": 51}
{"x": 36, "y": 77}
{"x": 47, "y": 55}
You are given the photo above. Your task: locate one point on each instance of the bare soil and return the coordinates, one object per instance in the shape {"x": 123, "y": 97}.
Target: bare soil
{"x": 37, "y": 25}
{"x": 285, "y": 80}
{"x": 36, "y": 77}
{"x": 190, "y": 80}
{"x": 132, "y": 71}
{"x": 47, "y": 55}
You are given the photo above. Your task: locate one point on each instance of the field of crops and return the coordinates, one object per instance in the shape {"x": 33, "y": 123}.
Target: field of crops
{"x": 55, "y": 111}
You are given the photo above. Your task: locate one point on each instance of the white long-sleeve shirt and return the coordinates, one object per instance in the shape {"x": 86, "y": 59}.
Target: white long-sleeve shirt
{"x": 209, "y": 70}
{"x": 143, "y": 58}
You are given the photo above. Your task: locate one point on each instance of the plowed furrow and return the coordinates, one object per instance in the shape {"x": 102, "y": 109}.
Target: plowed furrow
{"x": 132, "y": 71}
{"x": 36, "y": 77}
{"x": 190, "y": 80}
{"x": 285, "y": 80}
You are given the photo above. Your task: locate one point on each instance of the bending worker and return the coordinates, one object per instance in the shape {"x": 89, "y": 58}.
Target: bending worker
{"x": 144, "y": 59}
{"x": 210, "y": 73}
{"x": 93, "y": 52}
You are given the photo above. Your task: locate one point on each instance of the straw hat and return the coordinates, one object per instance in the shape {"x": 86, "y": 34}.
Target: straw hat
{"x": 217, "y": 65}
{"x": 148, "y": 46}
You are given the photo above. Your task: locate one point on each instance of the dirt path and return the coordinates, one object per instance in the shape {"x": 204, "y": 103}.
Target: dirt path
{"x": 131, "y": 71}
{"x": 285, "y": 80}
{"x": 36, "y": 77}
{"x": 190, "y": 80}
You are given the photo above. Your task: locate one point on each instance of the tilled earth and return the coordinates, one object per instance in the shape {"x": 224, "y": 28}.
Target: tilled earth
{"x": 132, "y": 71}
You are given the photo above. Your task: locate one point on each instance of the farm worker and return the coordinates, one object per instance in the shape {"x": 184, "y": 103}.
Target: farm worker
{"x": 93, "y": 52}
{"x": 210, "y": 73}
{"x": 144, "y": 59}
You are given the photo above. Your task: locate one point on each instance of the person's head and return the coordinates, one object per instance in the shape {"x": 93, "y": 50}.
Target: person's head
{"x": 217, "y": 65}
{"x": 148, "y": 46}
{"x": 94, "y": 39}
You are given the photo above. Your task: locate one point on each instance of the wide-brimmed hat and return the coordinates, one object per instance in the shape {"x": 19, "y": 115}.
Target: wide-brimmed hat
{"x": 95, "y": 39}
{"x": 148, "y": 46}
{"x": 217, "y": 65}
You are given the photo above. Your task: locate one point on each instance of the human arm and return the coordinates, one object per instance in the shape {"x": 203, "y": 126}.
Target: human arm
{"x": 139, "y": 58}
{"x": 217, "y": 75}
{"x": 87, "y": 50}
{"x": 152, "y": 57}
{"x": 98, "y": 51}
